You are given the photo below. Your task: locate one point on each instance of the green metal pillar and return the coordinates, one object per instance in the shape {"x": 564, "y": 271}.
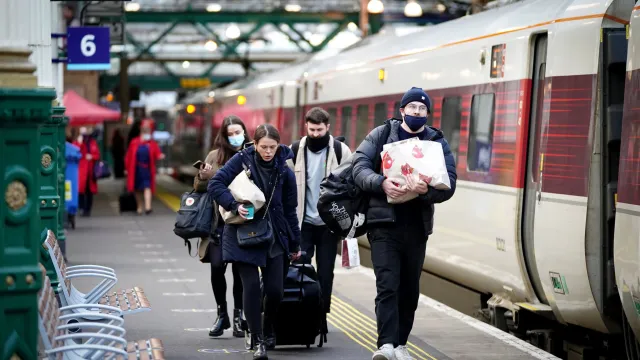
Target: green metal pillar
{"x": 62, "y": 164}
{"x": 49, "y": 199}
{"x": 23, "y": 109}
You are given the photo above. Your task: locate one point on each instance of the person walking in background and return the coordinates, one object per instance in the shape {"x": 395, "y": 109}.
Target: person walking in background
{"x": 117, "y": 152}
{"x": 315, "y": 157}
{"x": 398, "y": 232}
{"x": 266, "y": 162}
{"x": 87, "y": 182}
{"x": 140, "y": 163}
{"x": 231, "y": 139}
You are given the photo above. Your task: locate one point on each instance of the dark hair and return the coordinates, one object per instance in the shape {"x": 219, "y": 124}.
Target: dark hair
{"x": 225, "y": 150}
{"x": 266, "y": 131}
{"x": 317, "y": 116}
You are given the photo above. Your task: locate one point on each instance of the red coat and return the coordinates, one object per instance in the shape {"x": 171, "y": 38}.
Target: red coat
{"x": 85, "y": 167}
{"x": 130, "y": 162}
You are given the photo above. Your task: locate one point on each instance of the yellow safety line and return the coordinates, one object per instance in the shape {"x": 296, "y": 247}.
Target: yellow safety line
{"x": 345, "y": 317}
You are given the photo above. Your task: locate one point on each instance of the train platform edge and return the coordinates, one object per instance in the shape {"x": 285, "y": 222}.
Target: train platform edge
{"x": 145, "y": 253}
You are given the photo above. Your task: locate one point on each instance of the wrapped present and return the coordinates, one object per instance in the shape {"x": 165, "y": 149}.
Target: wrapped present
{"x": 423, "y": 160}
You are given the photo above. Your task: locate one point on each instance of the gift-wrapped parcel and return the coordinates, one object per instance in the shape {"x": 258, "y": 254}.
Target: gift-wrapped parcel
{"x": 421, "y": 159}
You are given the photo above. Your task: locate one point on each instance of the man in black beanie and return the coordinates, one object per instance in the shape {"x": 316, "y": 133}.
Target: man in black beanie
{"x": 398, "y": 233}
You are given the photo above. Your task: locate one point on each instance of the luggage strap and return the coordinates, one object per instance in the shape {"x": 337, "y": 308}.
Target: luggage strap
{"x": 187, "y": 243}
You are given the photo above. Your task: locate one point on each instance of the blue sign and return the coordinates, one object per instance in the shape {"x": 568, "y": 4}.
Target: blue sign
{"x": 88, "y": 48}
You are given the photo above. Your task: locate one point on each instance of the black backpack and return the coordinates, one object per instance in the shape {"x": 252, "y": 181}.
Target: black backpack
{"x": 195, "y": 217}
{"x": 337, "y": 147}
{"x": 341, "y": 200}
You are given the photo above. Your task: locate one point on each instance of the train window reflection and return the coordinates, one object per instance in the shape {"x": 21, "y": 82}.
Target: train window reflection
{"x": 481, "y": 132}
{"x": 379, "y": 114}
{"x": 362, "y": 124}
{"x": 345, "y": 125}
{"x": 333, "y": 113}
{"x": 450, "y": 122}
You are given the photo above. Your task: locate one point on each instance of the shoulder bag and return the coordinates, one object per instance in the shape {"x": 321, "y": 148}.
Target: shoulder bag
{"x": 257, "y": 232}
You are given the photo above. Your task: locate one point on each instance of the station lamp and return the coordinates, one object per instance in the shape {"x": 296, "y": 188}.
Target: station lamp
{"x": 132, "y": 6}
{"x": 214, "y": 7}
{"x": 211, "y": 45}
{"x": 233, "y": 32}
{"x": 375, "y": 6}
{"x": 242, "y": 100}
{"x": 191, "y": 109}
{"x": 292, "y": 7}
{"x": 412, "y": 9}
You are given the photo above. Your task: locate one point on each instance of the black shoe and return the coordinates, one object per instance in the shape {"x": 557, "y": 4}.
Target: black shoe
{"x": 222, "y": 323}
{"x": 269, "y": 334}
{"x": 237, "y": 323}
{"x": 261, "y": 352}
{"x": 148, "y": 212}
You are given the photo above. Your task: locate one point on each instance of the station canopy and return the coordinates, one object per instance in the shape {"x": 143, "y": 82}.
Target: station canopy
{"x": 83, "y": 112}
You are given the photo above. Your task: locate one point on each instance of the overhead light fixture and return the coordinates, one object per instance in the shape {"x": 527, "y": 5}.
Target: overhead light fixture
{"x": 132, "y": 6}
{"x": 412, "y": 9}
{"x": 211, "y": 45}
{"x": 191, "y": 109}
{"x": 185, "y": 64}
{"x": 292, "y": 8}
{"x": 233, "y": 32}
{"x": 352, "y": 26}
{"x": 375, "y": 7}
{"x": 214, "y": 7}
{"x": 212, "y": 93}
{"x": 441, "y": 7}
{"x": 316, "y": 39}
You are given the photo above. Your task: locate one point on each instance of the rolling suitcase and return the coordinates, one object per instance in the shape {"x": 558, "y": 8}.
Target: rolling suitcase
{"x": 127, "y": 202}
{"x": 301, "y": 313}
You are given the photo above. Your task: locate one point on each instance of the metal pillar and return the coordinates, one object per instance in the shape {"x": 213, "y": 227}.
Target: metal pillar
{"x": 23, "y": 110}
{"x": 62, "y": 163}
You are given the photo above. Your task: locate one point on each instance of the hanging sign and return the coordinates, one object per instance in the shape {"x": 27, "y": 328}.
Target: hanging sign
{"x": 88, "y": 48}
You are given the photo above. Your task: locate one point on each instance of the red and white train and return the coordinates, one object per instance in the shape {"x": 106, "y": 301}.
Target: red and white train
{"x": 540, "y": 102}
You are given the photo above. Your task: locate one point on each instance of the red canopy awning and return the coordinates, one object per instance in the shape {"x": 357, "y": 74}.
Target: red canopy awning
{"x": 83, "y": 112}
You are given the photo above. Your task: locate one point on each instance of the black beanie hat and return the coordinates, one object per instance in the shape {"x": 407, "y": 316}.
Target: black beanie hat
{"x": 416, "y": 94}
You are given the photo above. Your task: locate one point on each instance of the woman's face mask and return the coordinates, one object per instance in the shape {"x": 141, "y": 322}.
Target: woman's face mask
{"x": 236, "y": 140}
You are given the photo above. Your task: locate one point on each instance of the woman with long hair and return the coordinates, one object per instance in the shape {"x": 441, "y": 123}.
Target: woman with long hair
{"x": 140, "y": 163}
{"x": 267, "y": 168}
{"x": 231, "y": 139}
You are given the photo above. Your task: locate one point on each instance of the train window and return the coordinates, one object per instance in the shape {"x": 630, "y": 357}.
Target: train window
{"x": 379, "y": 114}
{"x": 345, "y": 124}
{"x": 333, "y": 113}
{"x": 450, "y": 122}
{"x": 396, "y": 111}
{"x": 481, "y": 132}
{"x": 362, "y": 123}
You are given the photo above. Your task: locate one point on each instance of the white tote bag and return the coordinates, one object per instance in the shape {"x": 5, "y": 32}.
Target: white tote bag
{"x": 243, "y": 190}
{"x": 350, "y": 250}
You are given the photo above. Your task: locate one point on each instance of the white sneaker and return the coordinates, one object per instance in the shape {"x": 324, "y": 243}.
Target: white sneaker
{"x": 386, "y": 352}
{"x": 402, "y": 353}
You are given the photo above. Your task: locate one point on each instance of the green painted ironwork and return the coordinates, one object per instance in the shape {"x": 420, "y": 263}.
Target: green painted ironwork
{"x": 22, "y": 113}
{"x": 155, "y": 82}
{"x": 62, "y": 164}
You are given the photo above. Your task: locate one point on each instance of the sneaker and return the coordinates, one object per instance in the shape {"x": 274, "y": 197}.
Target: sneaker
{"x": 386, "y": 352}
{"x": 402, "y": 353}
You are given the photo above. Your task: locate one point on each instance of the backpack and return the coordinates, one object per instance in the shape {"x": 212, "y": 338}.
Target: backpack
{"x": 341, "y": 200}
{"x": 195, "y": 217}
{"x": 337, "y": 147}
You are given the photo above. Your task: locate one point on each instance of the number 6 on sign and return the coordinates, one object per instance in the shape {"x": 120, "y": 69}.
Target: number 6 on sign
{"x": 87, "y": 46}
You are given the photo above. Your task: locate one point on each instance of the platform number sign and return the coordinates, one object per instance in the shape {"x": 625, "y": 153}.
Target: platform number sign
{"x": 88, "y": 48}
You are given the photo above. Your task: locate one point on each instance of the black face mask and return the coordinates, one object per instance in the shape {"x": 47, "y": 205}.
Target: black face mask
{"x": 317, "y": 144}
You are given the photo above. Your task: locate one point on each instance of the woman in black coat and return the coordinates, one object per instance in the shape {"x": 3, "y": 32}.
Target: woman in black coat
{"x": 266, "y": 162}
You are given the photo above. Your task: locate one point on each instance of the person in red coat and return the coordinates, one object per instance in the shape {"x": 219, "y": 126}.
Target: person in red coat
{"x": 140, "y": 162}
{"x": 87, "y": 183}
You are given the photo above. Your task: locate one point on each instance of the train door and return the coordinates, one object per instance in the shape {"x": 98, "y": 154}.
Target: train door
{"x": 533, "y": 180}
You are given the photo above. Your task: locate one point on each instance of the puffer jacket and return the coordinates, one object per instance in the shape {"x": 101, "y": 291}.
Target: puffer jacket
{"x": 367, "y": 175}
{"x": 282, "y": 210}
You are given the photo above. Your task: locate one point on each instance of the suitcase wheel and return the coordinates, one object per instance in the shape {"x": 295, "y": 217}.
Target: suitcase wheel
{"x": 308, "y": 346}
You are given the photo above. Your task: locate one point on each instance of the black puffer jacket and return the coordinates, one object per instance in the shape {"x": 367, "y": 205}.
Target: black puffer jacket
{"x": 367, "y": 175}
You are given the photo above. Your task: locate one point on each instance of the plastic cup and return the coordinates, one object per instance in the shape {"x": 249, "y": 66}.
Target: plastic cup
{"x": 251, "y": 210}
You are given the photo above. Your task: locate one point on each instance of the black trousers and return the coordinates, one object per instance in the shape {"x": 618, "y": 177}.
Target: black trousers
{"x": 273, "y": 281}
{"x": 321, "y": 239}
{"x": 219, "y": 285}
{"x": 397, "y": 254}
{"x": 85, "y": 201}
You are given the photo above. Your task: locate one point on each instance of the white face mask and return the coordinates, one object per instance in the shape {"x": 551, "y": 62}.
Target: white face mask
{"x": 146, "y": 137}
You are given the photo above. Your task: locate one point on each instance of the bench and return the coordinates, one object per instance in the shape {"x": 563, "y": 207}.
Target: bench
{"x": 129, "y": 301}
{"x": 105, "y": 341}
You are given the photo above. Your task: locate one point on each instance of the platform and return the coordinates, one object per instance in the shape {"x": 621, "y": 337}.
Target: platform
{"x": 144, "y": 252}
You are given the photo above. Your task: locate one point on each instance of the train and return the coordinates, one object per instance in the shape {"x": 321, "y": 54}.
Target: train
{"x": 539, "y": 101}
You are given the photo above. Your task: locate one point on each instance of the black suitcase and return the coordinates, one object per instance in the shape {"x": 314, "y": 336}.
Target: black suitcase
{"x": 301, "y": 313}
{"x": 127, "y": 202}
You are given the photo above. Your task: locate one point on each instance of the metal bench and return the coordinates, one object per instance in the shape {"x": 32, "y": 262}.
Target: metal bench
{"x": 129, "y": 301}
{"x": 105, "y": 342}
